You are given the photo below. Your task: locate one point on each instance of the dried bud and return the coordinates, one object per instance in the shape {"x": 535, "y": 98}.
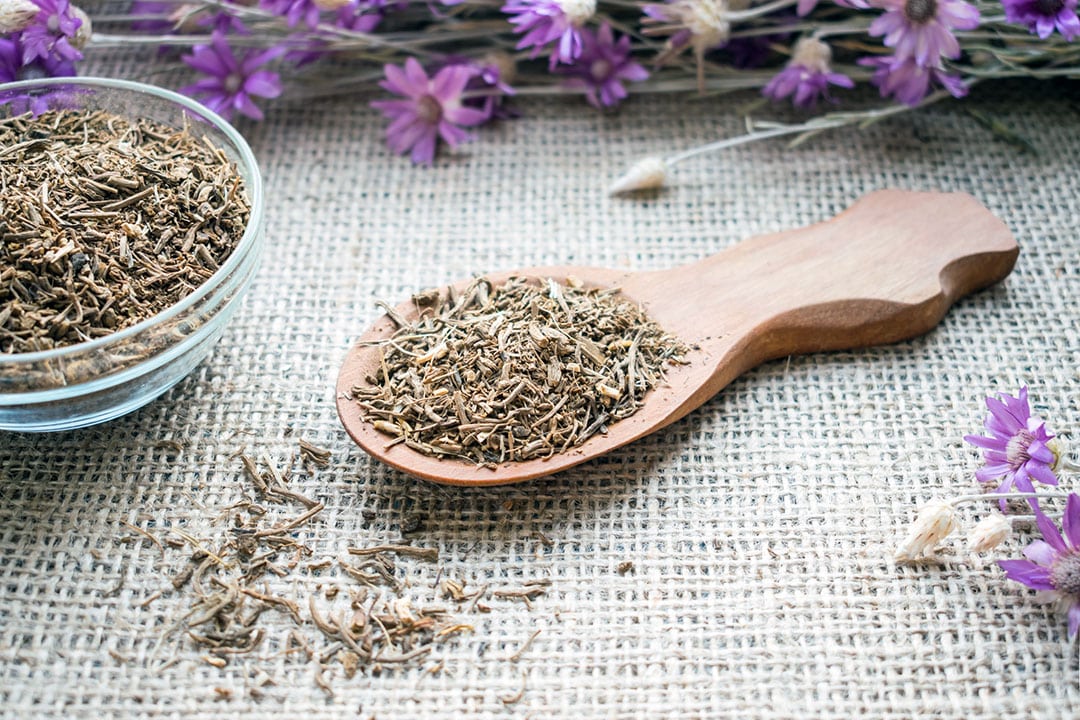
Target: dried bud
{"x": 505, "y": 63}
{"x": 16, "y": 15}
{"x": 646, "y": 174}
{"x": 935, "y": 521}
{"x": 330, "y": 4}
{"x": 1054, "y": 446}
{"x": 991, "y": 531}
{"x": 578, "y": 12}
{"x": 813, "y": 54}
{"x": 85, "y": 30}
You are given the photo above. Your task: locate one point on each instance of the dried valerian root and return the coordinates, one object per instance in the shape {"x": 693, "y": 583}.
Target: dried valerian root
{"x": 106, "y": 221}
{"x": 515, "y": 372}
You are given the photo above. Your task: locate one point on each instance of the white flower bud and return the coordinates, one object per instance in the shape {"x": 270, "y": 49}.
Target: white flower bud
{"x": 505, "y": 62}
{"x": 646, "y": 174}
{"x": 16, "y": 15}
{"x": 85, "y": 31}
{"x": 935, "y": 521}
{"x": 991, "y": 531}
{"x": 578, "y": 12}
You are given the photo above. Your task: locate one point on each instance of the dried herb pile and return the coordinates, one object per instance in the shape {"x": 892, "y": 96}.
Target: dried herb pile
{"x": 106, "y": 221}
{"x": 520, "y": 371}
{"x": 257, "y": 588}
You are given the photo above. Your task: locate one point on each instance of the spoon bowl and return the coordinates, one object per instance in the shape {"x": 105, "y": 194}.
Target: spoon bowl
{"x": 887, "y": 269}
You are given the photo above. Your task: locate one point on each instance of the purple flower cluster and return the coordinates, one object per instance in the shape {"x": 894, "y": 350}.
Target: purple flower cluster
{"x": 47, "y": 45}
{"x": 921, "y": 33}
{"x": 436, "y": 101}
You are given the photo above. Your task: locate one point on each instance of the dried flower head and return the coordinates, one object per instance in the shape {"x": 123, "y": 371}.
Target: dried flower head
{"x": 923, "y": 29}
{"x": 990, "y": 532}
{"x": 429, "y": 108}
{"x": 551, "y": 21}
{"x": 909, "y": 82}
{"x": 701, "y": 25}
{"x": 1042, "y": 17}
{"x": 51, "y": 33}
{"x": 1018, "y": 448}
{"x": 605, "y": 63}
{"x": 232, "y": 80}
{"x": 646, "y": 174}
{"x": 1053, "y": 563}
{"x": 16, "y": 15}
{"x": 807, "y": 76}
{"x": 85, "y": 30}
{"x": 936, "y": 520}
{"x": 13, "y": 68}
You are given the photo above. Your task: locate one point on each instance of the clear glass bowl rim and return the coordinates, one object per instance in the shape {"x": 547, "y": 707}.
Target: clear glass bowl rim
{"x": 253, "y": 184}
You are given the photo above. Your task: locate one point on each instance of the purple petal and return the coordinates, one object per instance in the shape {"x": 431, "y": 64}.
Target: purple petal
{"x": 1040, "y": 553}
{"x": 264, "y": 84}
{"x": 1050, "y": 533}
{"x": 1028, "y": 573}
{"x": 464, "y": 115}
{"x": 449, "y": 83}
{"x": 206, "y": 61}
{"x": 1074, "y": 619}
{"x": 1004, "y": 416}
{"x": 1041, "y": 472}
{"x": 988, "y": 443}
{"x": 1070, "y": 522}
{"x": 415, "y": 74}
{"x": 424, "y": 150}
{"x": 397, "y": 81}
{"x": 990, "y": 473}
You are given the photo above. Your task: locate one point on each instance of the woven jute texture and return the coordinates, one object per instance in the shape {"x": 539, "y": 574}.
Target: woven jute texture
{"x": 737, "y": 564}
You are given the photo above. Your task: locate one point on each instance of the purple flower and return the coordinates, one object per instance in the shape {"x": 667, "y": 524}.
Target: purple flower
{"x": 293, "y": 11}
{"x": 1042, "y": 16}
{"x": 1017, "y": 449}
{"x": 1053, "y": 563}
{"x": 922, "y": 29}
{"x": 431, "y": 108}
{"x": 908, "y": 81}
{"x": 51, "y": 32}
{"x": 12, "y": 66}
{"x": 547, "y": 21}
{"x": 603, "y": 66}
{"x": 232, "y": 80}
{"x": 807, "y": 76}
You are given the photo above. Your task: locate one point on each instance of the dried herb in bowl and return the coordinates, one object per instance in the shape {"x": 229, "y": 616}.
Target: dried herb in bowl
{"x": 106, "y": 221}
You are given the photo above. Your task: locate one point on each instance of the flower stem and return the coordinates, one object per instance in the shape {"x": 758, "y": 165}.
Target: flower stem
{"x": 825, "y": 122}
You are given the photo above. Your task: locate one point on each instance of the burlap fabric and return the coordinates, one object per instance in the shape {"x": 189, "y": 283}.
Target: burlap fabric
{"x": 759, "y": 530}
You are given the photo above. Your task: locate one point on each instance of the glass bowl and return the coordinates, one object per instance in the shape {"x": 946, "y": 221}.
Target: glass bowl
{"x": 101, "y": 379}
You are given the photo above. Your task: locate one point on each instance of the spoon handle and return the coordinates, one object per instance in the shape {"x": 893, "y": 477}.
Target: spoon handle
{"x": 887, "y": 269}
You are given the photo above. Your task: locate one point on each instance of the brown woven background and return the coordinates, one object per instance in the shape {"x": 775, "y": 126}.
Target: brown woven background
{"x": 760, "y": 528}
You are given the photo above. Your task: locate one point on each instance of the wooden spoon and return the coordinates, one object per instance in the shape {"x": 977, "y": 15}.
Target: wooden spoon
{"x": 885, "y": 270}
